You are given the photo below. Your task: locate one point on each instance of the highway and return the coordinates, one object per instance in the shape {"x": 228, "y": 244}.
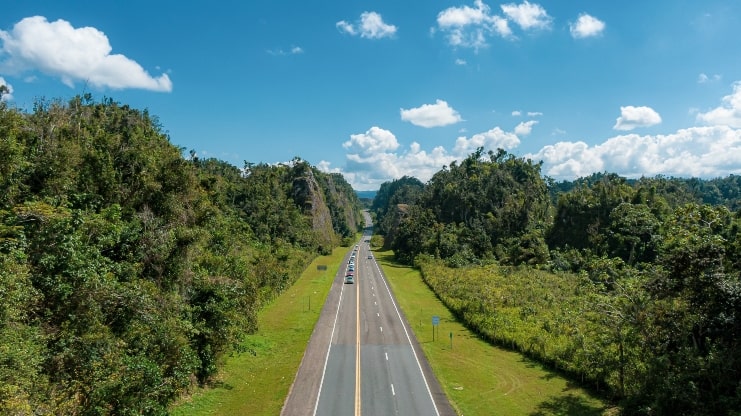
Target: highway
{"x": 362, "y": 358}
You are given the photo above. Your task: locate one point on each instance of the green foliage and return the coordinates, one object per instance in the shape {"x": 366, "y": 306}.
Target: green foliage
{"x": 646, "y": 298}
{"x": 126, "y": 271}
{"x": 405, "y": 190}
{"x": 477, "y": 211}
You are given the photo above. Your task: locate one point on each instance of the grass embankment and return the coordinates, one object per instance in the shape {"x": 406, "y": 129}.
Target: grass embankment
{"x": 478, "y": 378}
{"x": 257, "y": 383}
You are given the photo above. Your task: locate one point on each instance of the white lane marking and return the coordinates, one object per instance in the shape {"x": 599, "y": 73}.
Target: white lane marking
{"x": 392, "y": 390}
{"x": 381, "y": 328}
{"x": 393, "y": 302}
{"x": 326, "y": 358}
{"x": 387, "y": 356}
{"x": 378, "y": 314}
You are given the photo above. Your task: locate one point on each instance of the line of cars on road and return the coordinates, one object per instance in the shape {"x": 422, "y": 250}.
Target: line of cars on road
{"x": 350, "y": 271}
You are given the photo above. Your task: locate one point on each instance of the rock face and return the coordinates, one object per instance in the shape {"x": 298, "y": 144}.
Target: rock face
{"x": 308, "y": 195}
{"x": 344, "y": 206}
{"x": 328, "y": 202}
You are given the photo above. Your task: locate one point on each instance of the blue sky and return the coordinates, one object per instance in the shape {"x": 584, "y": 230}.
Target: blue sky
{"x": 381, "y": 89}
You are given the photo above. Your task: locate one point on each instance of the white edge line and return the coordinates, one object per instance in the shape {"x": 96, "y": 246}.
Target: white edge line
{"x": 329, "y": 348}
{"x": 393, "y": 302}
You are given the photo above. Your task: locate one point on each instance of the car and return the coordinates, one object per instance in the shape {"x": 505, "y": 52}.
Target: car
{"x": 370, "y": 256}
{"x": 351, "y": 268}
{"x": 349, "y": 279}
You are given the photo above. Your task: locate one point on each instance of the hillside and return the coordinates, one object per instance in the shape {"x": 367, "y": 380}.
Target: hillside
{"x": 629, "y": 286}
{"x": 127, "y": 271}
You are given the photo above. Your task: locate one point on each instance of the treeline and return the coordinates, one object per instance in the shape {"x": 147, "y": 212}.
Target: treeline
{"x": 631, "y": 286}
{"x": 128, "y": 271}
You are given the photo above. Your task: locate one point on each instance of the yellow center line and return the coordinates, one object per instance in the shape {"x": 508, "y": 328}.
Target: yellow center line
{"x": 357, "y": 341}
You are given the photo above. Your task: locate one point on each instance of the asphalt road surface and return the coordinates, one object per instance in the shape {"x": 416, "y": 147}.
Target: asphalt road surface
{"x": 362, "y": 358}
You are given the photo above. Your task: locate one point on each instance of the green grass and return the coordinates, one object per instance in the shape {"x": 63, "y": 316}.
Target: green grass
{"x": 258, "y": 384}
{"x": 478, "y": 378}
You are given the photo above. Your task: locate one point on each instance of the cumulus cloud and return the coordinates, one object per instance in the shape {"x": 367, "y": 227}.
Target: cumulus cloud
{"x": 728, "y": 113}
{"x": 525, "y": 128}
{"x": 7, "y": 94}
{"x": 534, "y": 113}
{"x": 493, "y": 139}
{"x": 586, "y": 26}
{"x": 374, "y": 157}
{"x": 431, "y": 115}
{"x": 632, "y": 117}
{"x": 469, "y": 26}
{"x": 527, "y": 15}
{"x": 694, "y": 152}
{"x": 72, "y": 54}
{"x": 516, "y": 113}
{"x": 375, "y": 140}
{"x": 707, "y": 151}
{"x": 370, "y": 26}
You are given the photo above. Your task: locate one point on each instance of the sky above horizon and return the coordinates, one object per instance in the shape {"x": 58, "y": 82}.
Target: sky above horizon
{"x": 376, "y": 90}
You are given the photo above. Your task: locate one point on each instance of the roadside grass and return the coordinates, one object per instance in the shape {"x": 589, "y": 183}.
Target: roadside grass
{"x": 477, "y": 377}
{"x": 257, "y": 382}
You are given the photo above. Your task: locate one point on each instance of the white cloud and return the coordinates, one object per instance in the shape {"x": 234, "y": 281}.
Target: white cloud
{"x": 324, "y": 166}
{"x": 468, "y": 26}
{"x": 431, "y": 115}
{"x": 701, "y": 151}
{"x": 527, "y": 15}
{"x": 461, "y": 62}
{"x": 586, "y": 26}
{"x": 370, "y": 163}
{"x": 464, "y": 16}
{"x": 295, "y": 50}
{"x": 370, "y": 26}
{"x": 375, "y": 140}
{"x": 525, "y": 127}
{"x": 693, "y": 152}
{"x": 348, "y": 28}
{"x": 632, "y": 117}
{"x": 516, "y": 113}
{"x": 8, "y": 94}
{"x": 73, "y": 54}
{"x": 729, "y": 112}
{"x": 493, "y": 139}
{"x": 534, "y": 113}
{"x": 704, "y": 78}
{"x": 369, "y": 166}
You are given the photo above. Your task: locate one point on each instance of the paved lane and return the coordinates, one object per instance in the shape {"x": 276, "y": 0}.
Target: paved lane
{"x": 364, "y": 355}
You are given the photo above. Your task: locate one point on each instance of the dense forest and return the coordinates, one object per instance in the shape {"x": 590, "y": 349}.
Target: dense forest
{"x": 128, "y": 270}
{"x": 631, "y": 286}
